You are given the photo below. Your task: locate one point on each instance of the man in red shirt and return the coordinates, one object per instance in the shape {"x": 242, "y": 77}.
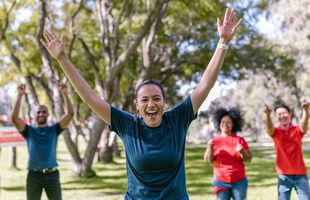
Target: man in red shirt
{"x": 290, "y": 166}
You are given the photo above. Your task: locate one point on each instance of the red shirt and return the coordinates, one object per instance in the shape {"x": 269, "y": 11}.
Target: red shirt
{"x": 288, "y": 144}
{"x": 228, "y": 165}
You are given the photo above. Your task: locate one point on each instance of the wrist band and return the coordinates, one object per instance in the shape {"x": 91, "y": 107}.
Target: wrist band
{"x": 222, "y": 46}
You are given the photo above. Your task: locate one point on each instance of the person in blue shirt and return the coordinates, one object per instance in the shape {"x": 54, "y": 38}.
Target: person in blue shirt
{"x": 42, "y": 141}
{"x": 154, "y": 139}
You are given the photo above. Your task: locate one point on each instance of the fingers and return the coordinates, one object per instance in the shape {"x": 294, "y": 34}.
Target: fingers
{"x": 22, "y": 86}
{"x": 305, "y": 103}
{"x": 226, "y": 17}
{"x": 48, "y": 35}
{"x": 267, "y": 110}
{"x": 63, "y": 39}
{"x": 219, "y": 24}
{"x": 236, "y": 26}
{"x": 53, "y": 35}
{"x": 42, "y": 41}
{"x": 232, "y": 15}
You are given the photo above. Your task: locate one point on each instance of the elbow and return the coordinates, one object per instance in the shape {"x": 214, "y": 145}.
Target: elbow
{"x": 14, "y": 119}
{"x": 70, "y": 114}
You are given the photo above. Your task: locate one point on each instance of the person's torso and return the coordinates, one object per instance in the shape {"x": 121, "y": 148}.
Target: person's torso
{"x": 42, "y": 144}
{"x": 228, "y": 165}
{"x": 154, "y": 156}
{"x": 288, "y": 144}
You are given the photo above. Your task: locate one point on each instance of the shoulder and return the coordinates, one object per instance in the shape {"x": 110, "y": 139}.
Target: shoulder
{"x": 240, "y": 138}
{"x": 295, "y": 128}
{"x": 118, "y": 112}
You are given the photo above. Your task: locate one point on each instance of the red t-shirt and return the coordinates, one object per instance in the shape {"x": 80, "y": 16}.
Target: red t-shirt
{"x": 288, "y": 144}
{"x": 228, "y": 165}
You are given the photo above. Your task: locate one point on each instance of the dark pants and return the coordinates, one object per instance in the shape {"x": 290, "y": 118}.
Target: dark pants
{"x": 36, "y": 181}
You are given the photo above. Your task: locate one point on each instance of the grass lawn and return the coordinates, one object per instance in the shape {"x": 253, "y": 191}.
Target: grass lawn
{"x": 111, "y": 180}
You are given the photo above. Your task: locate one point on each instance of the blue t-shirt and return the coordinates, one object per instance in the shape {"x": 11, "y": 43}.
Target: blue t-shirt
{"x": 42, "y": 142}
{"x": 155, "y": 156}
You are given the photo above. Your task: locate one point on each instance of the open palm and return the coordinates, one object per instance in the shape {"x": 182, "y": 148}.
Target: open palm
{"x": 229, "y": 26}
{"x": 54, "y": 46}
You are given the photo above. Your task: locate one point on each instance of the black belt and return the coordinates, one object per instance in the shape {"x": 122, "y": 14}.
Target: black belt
{"x": 46, "y": 170}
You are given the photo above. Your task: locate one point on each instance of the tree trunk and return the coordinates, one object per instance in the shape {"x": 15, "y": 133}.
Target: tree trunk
{"x": 13, "y": 158}
{"x": 105, "y": 153}
{"x": 115, "y": 147}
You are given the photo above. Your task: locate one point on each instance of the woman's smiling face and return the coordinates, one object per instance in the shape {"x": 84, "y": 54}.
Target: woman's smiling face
{"x": 150, "y": 104}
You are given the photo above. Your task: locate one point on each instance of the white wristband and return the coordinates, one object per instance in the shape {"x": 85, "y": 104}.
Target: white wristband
{"x": 222, "y": 46}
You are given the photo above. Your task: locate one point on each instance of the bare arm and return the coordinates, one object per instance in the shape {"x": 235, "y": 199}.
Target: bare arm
{"x": 69, "y": 112}
{"x": 208, "y": 156}
{"x": 56, "y": 49}
{"x": 304, "y": 121}
{"x": 245, "y": 154}
{"x": 226, "y": 31}
{"x": 268, "y": 121}
{"x": 16, "y": 120}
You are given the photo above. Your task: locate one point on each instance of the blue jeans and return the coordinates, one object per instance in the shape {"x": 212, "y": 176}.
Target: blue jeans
{"x": 236, "y": 190}
{"x": 37, "y": 181}
{"x": 299, "y": 182}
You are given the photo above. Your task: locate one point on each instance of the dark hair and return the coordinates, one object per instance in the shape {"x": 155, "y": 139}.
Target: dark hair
{"x": 148, "y": 82}
{"x": 282, "y": 106}
{"x": 233, "y": 113}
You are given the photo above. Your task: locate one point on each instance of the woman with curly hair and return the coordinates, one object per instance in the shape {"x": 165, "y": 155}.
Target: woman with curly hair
{"x": 228, "y": 152}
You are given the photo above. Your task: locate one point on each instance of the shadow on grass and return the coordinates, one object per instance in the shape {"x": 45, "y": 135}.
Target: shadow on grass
{"x": 111, "y": 177}
{"x": 9, "y": 188}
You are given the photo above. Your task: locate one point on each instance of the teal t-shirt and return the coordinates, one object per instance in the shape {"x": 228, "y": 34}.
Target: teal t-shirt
{"x": 42, "y": 142}
{"x": 155, "y": 156}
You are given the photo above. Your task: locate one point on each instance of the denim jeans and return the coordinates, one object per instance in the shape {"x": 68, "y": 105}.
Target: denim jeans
{"x": 237, "y": 190}
{"x": 36, "y": 181}
{"x": 299, "y": 182}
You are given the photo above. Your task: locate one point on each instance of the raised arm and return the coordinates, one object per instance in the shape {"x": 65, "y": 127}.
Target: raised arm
{"x": 69, "y": 112}
{"x": 16, "y": 120}
{"x": 268, "y": 121}
{"x": 304, "y": 121}
{"x": 56, "y": 48}
{"x": 208, "y": 156}
{"x": 226, "y": 31}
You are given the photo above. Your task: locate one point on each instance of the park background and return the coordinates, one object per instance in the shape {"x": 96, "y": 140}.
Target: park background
{"x": 117, "y": 44}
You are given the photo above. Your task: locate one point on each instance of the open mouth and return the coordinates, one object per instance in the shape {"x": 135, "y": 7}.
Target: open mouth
{"x": 151, "y": 114}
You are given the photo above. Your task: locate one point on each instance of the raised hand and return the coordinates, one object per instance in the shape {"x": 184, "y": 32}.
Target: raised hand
{"x": 63, "y": 88}
{"x": 228, "y": 27}
{"x": 267, "y": 110}
{"x": 54, "y": 46}
{"x": 21, "y": 89}
{"x": 305, "y": 104}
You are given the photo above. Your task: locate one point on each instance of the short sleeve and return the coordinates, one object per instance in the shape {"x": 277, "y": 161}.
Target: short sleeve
{"x": 244, "y": 144}
{"x": 121, "y": 121}
{"x": 58, "y": 129}
{"x": 183, "y": 113}
{"x": 25, "y": 132}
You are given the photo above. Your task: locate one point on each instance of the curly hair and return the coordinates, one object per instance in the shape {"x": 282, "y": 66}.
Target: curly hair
{"x": 233, "y": 113}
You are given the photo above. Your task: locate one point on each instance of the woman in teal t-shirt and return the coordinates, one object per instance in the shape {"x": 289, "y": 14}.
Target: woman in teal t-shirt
{"x": 154, "y": 139}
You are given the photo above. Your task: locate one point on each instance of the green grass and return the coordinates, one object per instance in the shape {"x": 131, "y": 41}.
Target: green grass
{"x": 110, "y": 182}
